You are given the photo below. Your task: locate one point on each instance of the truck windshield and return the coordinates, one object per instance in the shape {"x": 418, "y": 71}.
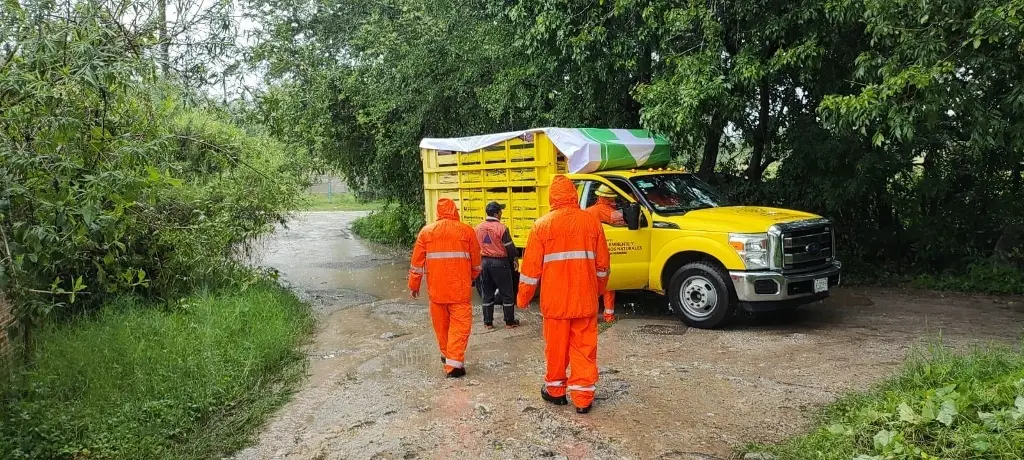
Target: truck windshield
{"x": 677, "y": 193}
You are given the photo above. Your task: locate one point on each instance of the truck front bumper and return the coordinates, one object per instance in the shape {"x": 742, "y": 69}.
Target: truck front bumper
{"x": 778, "y": 287}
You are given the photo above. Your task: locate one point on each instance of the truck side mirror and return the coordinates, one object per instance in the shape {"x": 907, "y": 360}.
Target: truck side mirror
{"x": 631, "y": 214}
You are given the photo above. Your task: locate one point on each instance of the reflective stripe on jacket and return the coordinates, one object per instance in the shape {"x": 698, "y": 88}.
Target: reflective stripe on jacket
{"x": 448, "y": 253}
{"x": 567, "y": 250}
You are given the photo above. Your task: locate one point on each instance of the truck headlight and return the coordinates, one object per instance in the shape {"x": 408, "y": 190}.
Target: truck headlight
{"x": 752, "y": 248}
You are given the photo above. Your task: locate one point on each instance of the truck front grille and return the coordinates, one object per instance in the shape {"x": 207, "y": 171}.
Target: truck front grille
{"x": 808, "y": 247}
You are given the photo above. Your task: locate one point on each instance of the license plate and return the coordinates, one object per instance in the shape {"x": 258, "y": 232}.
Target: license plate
{"x": 820, "y": 285}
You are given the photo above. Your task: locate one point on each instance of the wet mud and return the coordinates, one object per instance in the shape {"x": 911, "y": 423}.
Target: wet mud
{"x": 376, "y": 389}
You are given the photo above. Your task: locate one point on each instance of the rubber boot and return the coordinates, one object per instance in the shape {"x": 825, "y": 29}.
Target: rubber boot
{"x": 558, "y": 401}
{"x": 457, "y": 373}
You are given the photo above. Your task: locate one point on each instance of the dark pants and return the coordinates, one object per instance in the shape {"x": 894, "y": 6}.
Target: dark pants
{"x": 496, "y": 275}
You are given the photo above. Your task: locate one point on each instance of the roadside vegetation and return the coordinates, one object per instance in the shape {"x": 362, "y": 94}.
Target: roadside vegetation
{"x": 191, "y": 379}
{"x": 128, "y": 199}
{"x": 394, "y": 224}
{"x": 940, "y": 405}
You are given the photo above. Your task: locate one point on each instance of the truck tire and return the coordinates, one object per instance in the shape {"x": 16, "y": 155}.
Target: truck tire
{"x": 700, "y": 296}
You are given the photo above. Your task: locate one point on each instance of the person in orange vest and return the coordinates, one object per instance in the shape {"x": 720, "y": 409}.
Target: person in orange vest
{"x": 566, "y": 250}
{"x": 448, "y": 253}
{"x": 499, "y": 261}
{"x": 608, "y": 213}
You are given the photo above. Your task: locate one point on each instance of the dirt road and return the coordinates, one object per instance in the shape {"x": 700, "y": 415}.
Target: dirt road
{"x": 376, "y": 388}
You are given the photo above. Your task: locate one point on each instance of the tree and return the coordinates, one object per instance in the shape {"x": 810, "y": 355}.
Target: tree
{"x": 758, "y": 68}
{"x": 374, "y": 78}
{"x": 940, "y": 98}
{"x": 109, "y": 182}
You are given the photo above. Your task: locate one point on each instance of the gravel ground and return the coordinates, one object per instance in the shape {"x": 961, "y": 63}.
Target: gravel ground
{"x": 377, "y": 391}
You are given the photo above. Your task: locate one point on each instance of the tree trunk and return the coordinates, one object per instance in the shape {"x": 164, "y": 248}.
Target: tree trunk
{"x": 757, "y": 159}
{"x": 712, "y": 146}
{"x": 164, "y": 41}
{"x": 930, "y": 202}
{"x": 1016, "y": 176}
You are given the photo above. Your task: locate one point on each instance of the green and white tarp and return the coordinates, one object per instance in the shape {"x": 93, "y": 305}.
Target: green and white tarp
{"x": 586, "y": 149}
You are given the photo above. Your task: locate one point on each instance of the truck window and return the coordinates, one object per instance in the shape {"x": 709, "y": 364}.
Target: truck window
{"x": 611, "y": 216}
{"x": 678, "y": 193}
{"x": 622, "y": 184}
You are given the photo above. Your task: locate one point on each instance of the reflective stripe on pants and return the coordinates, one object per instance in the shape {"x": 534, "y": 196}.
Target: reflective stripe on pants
{"x": 571, "y": 343}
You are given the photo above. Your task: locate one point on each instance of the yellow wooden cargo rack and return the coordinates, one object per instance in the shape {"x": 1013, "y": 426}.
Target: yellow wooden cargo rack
{"x": 516, "y": 173}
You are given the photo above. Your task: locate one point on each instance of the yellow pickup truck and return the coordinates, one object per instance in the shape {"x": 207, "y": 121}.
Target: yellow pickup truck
{"x": 680, "y": 238}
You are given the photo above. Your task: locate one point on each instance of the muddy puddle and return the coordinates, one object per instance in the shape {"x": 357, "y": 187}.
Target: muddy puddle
{"x": 376, "y": 389}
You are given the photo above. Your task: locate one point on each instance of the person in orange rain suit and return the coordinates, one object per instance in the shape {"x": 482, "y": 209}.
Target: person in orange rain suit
{"x": 567, "y": 251}
{"x": 448, "y": 252}
{"x": 606, "y": 211}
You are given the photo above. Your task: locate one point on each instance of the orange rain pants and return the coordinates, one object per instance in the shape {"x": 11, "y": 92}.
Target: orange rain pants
{"x": 448, "y": 253}
{"x": 572, "y": 343}
{"x": 567, "y": 249}
{"x": 609, "y": 305}
{"x": 452, "y": 325}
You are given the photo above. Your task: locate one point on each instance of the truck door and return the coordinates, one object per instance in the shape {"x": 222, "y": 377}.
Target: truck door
{"x": 630, "y": 249}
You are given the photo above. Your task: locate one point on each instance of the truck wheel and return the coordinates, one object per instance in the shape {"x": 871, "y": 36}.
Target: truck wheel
{"x": 700, "y": 297}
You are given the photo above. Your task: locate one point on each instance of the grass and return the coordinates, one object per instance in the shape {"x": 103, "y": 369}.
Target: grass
{"x": 340, "y": 202}
{"x": 941, "y": 405}
{"x": 135, "y": 382}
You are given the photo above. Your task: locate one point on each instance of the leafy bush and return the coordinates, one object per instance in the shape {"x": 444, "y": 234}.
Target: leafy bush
{"x": 109, "y": 184}
{"x": 989, "y": 277}
{"x": 397, "y": 225}
{"x": 942, "y": 405}
{"x": 141, "y": 383}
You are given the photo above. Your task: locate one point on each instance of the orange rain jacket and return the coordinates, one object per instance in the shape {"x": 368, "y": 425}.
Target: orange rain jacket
{"x": 449, "y": 252}
{"x": 567, "y": 250}
{"x": 606, "y": 212}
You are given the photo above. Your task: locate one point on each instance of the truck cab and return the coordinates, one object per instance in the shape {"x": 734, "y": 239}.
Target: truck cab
{"x": 686, "y": 241}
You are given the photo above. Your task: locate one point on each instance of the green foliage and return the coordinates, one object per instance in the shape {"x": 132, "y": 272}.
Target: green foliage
{"x": 396, "y": 225}
{"x": 410, "y": 69}
{"x": 941, "y": 117}
{"x": 193, "y": 380}
{"x": 989, "y": 277}
{"x": 941, "y": 405}
{"x": 901, "y": 121}
{"x": 110, "y": 184}
{"x": 367, "y": 113}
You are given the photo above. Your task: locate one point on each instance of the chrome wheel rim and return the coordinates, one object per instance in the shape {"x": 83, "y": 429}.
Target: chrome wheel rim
{"x": 698, "y": 297}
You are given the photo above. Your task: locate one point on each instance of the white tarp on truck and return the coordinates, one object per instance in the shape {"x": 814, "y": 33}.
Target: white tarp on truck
{"x": 586, "y": 149}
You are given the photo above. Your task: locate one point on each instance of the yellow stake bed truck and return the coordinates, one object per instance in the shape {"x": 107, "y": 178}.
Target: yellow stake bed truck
{"x": 680, "y": 237}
